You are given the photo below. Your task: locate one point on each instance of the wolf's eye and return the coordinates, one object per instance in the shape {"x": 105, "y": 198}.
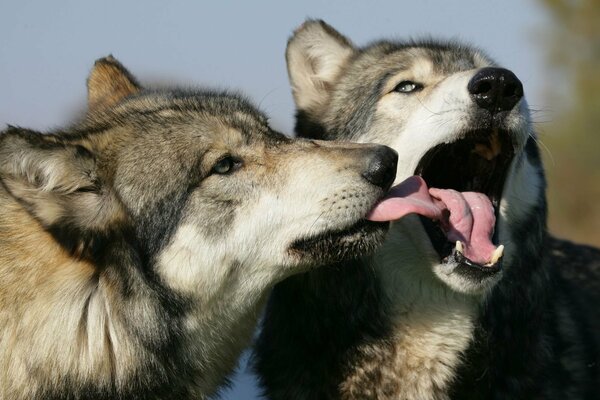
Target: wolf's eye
{"x": 226, "y": 165}
{"x": 408, "y": 87}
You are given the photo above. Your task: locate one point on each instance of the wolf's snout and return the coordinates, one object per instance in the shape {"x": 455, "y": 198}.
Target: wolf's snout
{"x": 495, "y": 89}
{"x": 381, "y": 167}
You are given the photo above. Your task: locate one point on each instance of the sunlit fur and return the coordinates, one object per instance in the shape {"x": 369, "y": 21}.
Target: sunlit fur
{"x": 129, "y": 267}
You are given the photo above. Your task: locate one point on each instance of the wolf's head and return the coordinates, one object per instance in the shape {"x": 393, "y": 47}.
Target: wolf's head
{"x": 456, "y": 119}
{"x": 197, "y": 183}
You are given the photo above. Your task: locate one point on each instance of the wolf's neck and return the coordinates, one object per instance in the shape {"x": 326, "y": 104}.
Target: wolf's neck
{"x": 405, "y": 266}
{"x": 217, "y": 331}
{"x": 431, "y": 325}
{"x": 100, "y": 326}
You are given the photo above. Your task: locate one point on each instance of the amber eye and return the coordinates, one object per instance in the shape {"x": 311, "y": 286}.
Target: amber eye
{"x": 408, "y": 87}
{"x": 226, "y": 165}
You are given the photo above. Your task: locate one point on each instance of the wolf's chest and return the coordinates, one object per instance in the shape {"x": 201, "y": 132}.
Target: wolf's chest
{"x": 418, "y": 362}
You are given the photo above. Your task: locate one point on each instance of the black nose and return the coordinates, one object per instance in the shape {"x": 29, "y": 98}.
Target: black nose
{"x": 495, "y": 89}
{"x": 381, "y": 167}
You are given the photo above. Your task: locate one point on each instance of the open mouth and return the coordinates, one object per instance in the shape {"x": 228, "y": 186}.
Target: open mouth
{"x": 478, "y": 163}
{"x": 456, "y": 191}
{"x": 359, "y": 239}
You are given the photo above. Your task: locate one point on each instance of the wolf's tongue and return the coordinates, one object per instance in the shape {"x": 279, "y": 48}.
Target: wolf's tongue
{"x": 471, "y": 218}
{"x": 410, "y": 196}
{"x": 471, "y": 222}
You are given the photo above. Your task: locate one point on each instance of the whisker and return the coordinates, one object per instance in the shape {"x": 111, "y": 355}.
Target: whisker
{"x": 542, "y": 145}
{"x": 319, "y": 217}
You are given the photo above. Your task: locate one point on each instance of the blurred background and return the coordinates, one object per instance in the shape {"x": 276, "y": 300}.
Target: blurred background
{"x": 48, "y": 47}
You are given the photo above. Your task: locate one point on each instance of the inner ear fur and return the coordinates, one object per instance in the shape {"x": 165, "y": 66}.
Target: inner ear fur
{"x": 316, "y": 54}
{"x": 55, "y": 181}
{"x": 109, "y": 82}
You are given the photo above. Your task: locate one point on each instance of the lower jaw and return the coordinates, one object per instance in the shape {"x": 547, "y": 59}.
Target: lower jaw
{"x": 358, "y": 240}
{"x": 448, "y": 254}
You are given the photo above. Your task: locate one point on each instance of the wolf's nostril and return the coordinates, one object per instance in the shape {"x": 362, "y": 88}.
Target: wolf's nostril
{"x": 482, "y": 88}
{"x": 381, "y": 167}
{"x": 495, "y": 89}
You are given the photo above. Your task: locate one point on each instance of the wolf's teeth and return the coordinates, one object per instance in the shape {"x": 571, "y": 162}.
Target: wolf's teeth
{"x": 497, "y": 255}
{"x": 459, "y": 247}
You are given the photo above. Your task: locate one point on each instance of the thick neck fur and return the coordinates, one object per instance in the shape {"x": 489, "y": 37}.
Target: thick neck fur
{"x": 431, "y": 324}
{"x": 109, "y": 331}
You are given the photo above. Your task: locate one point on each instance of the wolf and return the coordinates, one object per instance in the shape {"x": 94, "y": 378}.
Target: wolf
{"x": 485, "y": 306}
{"x": 138, "y": 245}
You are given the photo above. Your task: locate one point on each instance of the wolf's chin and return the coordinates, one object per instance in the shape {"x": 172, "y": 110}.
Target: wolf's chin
{"x": 361, "y": 238}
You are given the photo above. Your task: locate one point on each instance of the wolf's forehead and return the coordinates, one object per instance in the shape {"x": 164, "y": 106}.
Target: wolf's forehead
{"x": 216, "y": 113}
{"x": 424, "y": 58}
{"x": 453, "y": 60}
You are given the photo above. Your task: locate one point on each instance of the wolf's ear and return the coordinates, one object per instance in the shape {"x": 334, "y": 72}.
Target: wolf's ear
{"x": 56, "y": 182}
{"x": 315, "y": 55}
{"x": 109, "y": 82}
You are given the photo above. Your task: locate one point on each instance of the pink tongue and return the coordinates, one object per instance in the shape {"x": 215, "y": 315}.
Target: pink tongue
{"x": 471, "y": 218}
{"x": 410, "y": 196}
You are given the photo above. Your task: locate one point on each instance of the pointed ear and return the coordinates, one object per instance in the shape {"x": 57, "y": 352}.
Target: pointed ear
{"x": 315, "y": 55}
{"x": 109, "y": 82}
{"x": 56, "y": 182}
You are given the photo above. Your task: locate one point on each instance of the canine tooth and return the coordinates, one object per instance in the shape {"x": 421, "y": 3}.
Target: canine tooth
{"x": 497, "y": 254}
{"x": 459, "y": 247}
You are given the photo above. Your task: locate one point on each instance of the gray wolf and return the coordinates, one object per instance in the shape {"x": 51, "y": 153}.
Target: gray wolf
{"x": 138, "y": 245}
{"x": 423, "y": 318}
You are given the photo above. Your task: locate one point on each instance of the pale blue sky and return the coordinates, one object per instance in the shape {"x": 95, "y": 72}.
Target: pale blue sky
{"x": 48, "y": 47}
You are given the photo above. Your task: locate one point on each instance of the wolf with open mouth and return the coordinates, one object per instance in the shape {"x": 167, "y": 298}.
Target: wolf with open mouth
{"x": 469, "y": 297}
